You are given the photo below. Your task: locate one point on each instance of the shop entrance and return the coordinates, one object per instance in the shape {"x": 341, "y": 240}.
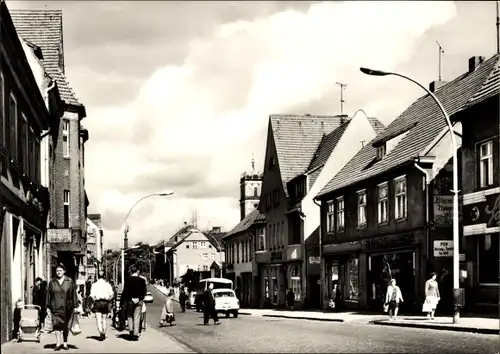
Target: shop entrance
{"x": 382, "y": 268}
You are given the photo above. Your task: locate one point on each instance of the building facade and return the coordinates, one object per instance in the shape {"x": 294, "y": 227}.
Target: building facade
{"x": 300, "y": 152}
{"x": 240, "y": 245}
{"x": 481, "y": 193}
{"x": 388, "y": 213}
{"x": 94, "y": 245}
{"x": 28, "y": 111}
{"x": 68, "y": 219}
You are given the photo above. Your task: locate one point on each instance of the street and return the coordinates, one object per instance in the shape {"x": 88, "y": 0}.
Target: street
{"x": 270, "y": 335}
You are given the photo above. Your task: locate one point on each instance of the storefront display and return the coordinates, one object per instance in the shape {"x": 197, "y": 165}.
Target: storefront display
{"x": 294, "y": 281}
{"x": 352, "y": 279}
{"x": 488, "y": 255}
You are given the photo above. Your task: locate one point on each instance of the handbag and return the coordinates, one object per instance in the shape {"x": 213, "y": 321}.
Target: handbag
{"x": 75, "y": 325}
{"x": 47, "y": 324}
{"x": 331, "y": 304}
{"x": 427, "y": 305}
{"x": 386, "y": 307}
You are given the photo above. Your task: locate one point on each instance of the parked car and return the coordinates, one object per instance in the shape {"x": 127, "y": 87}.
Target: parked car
{"x": 226, "y": 302}
{"x": 148, "y": 298}
{"x": 191, "y": 300}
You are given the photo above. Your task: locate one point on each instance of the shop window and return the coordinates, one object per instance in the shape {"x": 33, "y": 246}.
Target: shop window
{"x": 266, "y": 287}
{"x": 330, "y": 217}
{"x": 486, "y": 164}
{"x": 382, "y": 202}
{"x": 295, "y": 281}
{"x": 274, "y": 299}
{"x": 352, "y": 281}
{"x": 340, "y": 214}
{"x": 488, "y": 255}
{"x": 362, "y": 208}
{"x": 400, "y": 197}
{"x": 262, "y": 239}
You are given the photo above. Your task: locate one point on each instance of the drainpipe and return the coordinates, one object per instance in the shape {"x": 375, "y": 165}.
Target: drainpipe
{"x": 427, "y": 216}
{"x": 321, "y": 262}
{"x": 304, "y": 252}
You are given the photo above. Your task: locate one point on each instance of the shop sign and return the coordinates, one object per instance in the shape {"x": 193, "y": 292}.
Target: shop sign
{"x": 486, "y": 212}
{"x": 443, "y": 248}
{"x": 314, "y": 260}
{"x": 331, "y": 248}
{"x": 59, "y": 235}
{"x": 387, "y": 242}
{"x": 443, "y": 210}
{"x": 276, "y": 256}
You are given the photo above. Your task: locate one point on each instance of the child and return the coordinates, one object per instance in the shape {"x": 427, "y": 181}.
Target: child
{"x": 17, "y": 317}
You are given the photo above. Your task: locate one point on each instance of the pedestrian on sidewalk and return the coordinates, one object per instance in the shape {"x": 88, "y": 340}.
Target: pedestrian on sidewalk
{"x": 334, "y": 300}
{"x": 39, "y": 299}
{"x": 101, "y": 293}
{"x": 62, "y": 303}
{"x": 182, "y": 299}
{"x": 392, "y": 299}
{"x": 134, "y": 292}
{"x": 167, "y": 312}
{"x": 432, "y": 296}
{"x": 209, "y": 306}
{"x": 290, "y": 299}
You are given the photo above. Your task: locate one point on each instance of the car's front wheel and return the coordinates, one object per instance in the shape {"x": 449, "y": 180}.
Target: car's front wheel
{"x": 235, "y": 314}
{"x": 227, "y": 314}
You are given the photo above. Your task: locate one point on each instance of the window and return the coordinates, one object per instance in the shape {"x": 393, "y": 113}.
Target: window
{"x": 212, "y": 255}
{"x": 65, "y": 138}
{"x": 295, "y": 281}
{"x": 66, "y": 209}
{"x": 488, "y": 246}
{"x": 13, "y": 150}
{"x": 25, "y": 146}
{"x": 352, "y": 291}
{"x": 203, "y": 244}
{"x": 486, "y": 164}
{"x": 362, "y": 208}
{"x": 278, "y": 235}
{"x": 340, "y": 214}
{"x": 382, "y": 202}
{"x": 205, "y": 256}
{"x": 187, "y": 244}
{"x": 205, "y": 268}
{"x": 381, "y": 151}
{"x": 238, "y": 252}
{"x": 400, "y": 197}
{"x": 255, "y": 194}
{"x": 330, "y": 217}
{"x": 3, "y": 123}
{"x": 262, "y": 239}
{"x": 283, "y": 233}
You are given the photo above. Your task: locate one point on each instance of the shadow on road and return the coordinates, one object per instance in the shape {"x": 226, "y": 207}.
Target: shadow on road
{"x": 52, "y": 346}
{"x": 97, "y": 338}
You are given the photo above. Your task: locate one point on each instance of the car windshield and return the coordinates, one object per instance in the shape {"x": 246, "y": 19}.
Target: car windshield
{"x": 148, "y": 293}
{"x": 224, "y": 294}
{"x": 222, "y": 285}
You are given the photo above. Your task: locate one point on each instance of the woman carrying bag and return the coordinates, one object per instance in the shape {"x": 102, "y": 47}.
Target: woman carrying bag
{"x": 392, "y": 299}
{"x": 432, "y": 296}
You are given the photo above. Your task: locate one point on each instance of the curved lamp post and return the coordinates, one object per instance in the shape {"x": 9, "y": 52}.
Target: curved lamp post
{"x": 162, "y": 194}
{"x": 456, "y": 282}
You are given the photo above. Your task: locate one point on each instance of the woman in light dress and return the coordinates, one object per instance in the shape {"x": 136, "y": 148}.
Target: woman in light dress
{"x": 432, "y": 296}
{"x": 167, "y": 312}
{"x": 392, "y": 299}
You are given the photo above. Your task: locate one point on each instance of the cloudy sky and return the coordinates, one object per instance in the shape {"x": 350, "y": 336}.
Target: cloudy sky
{"x": 178, "y": 94}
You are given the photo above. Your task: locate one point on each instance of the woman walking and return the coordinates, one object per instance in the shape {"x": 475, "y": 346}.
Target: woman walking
{"x": 392, "y": 299}
{"x": 432, "y": 296}
{"x": 101, "y": 293}
{"x": 134, "y": 292}
{"x": 62, "y": 302}
{"x": 167, "y": 312}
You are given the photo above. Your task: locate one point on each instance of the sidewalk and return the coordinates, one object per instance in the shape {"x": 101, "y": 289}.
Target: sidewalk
{"x": 151, "y": 341}
{"x": 466, "y": 324}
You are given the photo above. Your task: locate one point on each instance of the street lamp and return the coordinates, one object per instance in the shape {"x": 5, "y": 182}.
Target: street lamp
{"x": 115, "y": 264}
{"x": 161, "y": 194}
{"x": 456, "y": 259}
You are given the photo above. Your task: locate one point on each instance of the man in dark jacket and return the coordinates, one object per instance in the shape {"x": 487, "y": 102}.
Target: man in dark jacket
{"x": 182, "y": 299}
{"x": 134, "y": 292}
{"x": 209, "y": 306}
{"x": 39, "y": 298}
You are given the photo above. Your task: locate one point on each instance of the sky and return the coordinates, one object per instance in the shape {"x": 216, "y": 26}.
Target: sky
{"x": 178, "y": 94}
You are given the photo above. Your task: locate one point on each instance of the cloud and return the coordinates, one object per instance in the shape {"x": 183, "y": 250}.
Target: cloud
{"x": 193, "y": 127}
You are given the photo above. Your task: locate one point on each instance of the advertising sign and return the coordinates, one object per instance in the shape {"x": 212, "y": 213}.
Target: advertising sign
{"x": 59, "y": 235}
{"x": 443, "y": 248}
{"x": 443, "y": 210}
{"x": 314, "y": 260}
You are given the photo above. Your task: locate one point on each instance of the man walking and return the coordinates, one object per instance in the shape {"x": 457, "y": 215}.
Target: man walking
{"x": 101, "y": 293}
{"x": 209, "y": 306}
{"x": 134, "y": 292}
{"x": 182, "y": 299}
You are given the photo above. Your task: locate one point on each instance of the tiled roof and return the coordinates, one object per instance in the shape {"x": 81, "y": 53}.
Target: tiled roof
{"x": 44, "y": 29}
{"x": 251, "y": 219}
{"x": 491, "y": 86}
{"x": 179, "y": 236}
{"x": 424, "y": 121}
{"x": 297, "y": 138}
{"x": 376, "y": 124}
{"x": 216, "y": 239}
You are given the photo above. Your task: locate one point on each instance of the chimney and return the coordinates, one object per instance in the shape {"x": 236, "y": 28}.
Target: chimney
{"x": 434, "y": 85}
{"x": 216, "y": 229}
{"x": 474, "y": 62}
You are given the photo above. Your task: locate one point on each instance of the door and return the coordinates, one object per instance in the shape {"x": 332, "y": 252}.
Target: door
{"x": 315, "y": 292}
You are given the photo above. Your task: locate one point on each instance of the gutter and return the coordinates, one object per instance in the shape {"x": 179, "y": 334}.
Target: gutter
{"x": 427, "y": 213}
{"x": 321, "y": 262}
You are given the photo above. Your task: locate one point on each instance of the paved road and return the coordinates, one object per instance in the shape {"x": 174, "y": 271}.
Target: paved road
{"x": 251, "y": 334}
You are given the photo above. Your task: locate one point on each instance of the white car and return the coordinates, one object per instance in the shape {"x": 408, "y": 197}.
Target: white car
{"x": 191, "y": 301}
{"x": 148, "y": 298}
{"x": 226, "y": 302}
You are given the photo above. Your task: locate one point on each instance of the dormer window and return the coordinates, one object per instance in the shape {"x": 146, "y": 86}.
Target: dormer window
{"x": 381, "y": 150}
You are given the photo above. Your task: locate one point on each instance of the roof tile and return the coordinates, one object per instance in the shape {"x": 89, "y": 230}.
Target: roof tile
{"x": 424, "y": 121}
{"x": 251, "y": 219}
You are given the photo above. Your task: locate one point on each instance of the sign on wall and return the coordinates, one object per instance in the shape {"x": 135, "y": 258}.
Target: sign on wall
{"x": 59, "y": 235}
{"x": 443, "y": 210}
{"x": 313, "y": 260}
{"x": 443, "y": 248}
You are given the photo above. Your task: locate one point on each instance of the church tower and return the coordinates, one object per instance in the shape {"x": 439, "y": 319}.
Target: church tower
{"x": 250, "y": 186}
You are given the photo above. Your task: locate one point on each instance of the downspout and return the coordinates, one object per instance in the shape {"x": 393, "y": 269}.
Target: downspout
{"x": 321, "y": 261}
{"x": 304, "y": 252}
{"x": 427, "y": 216}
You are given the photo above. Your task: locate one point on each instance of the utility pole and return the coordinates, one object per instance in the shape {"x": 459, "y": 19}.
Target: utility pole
{"x": 441, "y": 52}
{"x": 342, "y": 88}
{"x": 498, "y": 28}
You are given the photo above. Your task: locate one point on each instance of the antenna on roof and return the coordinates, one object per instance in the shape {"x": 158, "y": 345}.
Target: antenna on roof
{"x": 441, "y": 52}
{"x": 342, "y": 88}
{"x": 498, "y": 28}
{"x": 253, "y": 163}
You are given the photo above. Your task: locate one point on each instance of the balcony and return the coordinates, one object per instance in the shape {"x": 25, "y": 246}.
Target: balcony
{"x": 293, "y": 252}
{"x": 262, "y": 257}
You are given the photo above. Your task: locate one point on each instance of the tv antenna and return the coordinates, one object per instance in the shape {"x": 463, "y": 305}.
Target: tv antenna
{"x": 441, "y": 52}
{"x": 498, "y": 27}
{"x": 342, "y": 88}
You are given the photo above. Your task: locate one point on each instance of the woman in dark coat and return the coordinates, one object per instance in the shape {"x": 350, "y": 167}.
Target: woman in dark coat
{"x": 62, "y": 302}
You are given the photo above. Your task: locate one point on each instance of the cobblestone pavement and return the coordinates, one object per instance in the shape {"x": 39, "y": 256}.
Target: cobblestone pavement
{"x": 253, "y": 334}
